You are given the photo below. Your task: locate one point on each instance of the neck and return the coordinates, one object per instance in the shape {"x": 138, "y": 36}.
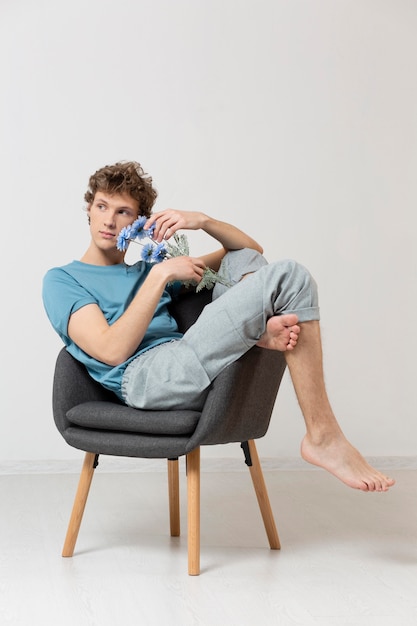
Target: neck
{"x": 95, "y": 256}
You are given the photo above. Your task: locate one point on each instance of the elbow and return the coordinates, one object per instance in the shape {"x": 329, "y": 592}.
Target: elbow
{"x": 256, "y": 246}
{"x": 250, "y": 246}
{"x": 115, "y": 352}
{"x": 115, "y": 358}
{"x": 115, "y": 362}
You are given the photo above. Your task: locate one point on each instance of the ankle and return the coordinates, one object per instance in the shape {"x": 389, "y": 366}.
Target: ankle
{"x": 322, "y": 436}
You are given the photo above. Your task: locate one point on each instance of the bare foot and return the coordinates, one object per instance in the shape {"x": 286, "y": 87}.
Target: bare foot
{"x": 341, "y": 459}
{"x": 281, "y": 333}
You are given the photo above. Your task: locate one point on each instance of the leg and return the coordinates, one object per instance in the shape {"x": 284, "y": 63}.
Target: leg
{"x": 193, "y": 488}
{"x": 263, "y": 498}
{"x": 274, "y": 296}
{"x": 324, "y": 443}
{"x": 174, "y": 497}
{"x": 264, "y": 308}
{"x": 86, "y": 477}
{"x": 252, "y": 312}
{"x": 281, "y": 331}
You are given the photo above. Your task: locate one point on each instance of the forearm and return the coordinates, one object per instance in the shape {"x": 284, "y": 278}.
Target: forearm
{"x": 167, "y": 223}
{"x": 229, "y": 236}
{"x": 126, "y": 334}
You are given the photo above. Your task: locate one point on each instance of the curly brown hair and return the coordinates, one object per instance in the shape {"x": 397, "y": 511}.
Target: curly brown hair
{"x": 124, "y": 177}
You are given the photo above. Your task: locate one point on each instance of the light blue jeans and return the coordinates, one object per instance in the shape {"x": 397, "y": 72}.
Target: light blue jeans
{"x": 177, "y": 374}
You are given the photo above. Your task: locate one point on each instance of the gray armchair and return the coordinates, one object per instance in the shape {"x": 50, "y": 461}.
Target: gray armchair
{"x": 238, "y": 408}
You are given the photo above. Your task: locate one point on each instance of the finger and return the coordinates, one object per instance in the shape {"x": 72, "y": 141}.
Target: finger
{"x": 156, "y": 216}
{"x": 199, "y": 262}
{"x": 168, "y": 232}
{"x": 162, "y": 226}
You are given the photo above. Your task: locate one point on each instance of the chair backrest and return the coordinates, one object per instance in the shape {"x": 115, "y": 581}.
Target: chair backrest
{"x": 188, "y": 307}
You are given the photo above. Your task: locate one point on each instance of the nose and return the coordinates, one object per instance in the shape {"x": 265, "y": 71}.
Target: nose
{"x": 109, "y": 219}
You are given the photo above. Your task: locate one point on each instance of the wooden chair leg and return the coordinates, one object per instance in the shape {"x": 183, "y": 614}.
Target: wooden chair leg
{"x": 87, "y": 472}
{"x": 174, "y": 497}
{"x": 193, "y": 496}
{"x": 263, "y": 498}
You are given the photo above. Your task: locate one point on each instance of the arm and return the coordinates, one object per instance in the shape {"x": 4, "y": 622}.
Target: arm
{"x": 113, "y": 344}
{"x": 231, "y": 238}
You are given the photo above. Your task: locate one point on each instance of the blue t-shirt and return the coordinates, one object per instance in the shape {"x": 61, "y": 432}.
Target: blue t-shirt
{"x": 112, "y": 287}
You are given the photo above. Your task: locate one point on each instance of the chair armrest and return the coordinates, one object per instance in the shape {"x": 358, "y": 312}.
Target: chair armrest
{"x": 241, "y": 399}
{"x": 72, "y": 386}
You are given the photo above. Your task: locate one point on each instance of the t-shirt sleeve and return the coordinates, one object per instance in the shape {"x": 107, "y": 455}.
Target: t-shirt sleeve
{"x": 62, "y": 295}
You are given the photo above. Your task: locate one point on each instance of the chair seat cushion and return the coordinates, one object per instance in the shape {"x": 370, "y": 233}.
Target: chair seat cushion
{"x": 111, "y": 416}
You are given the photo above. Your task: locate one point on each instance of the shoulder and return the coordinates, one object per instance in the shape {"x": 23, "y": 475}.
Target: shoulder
{"x": 59, "y": 276}
{"x": 63, "y": 269}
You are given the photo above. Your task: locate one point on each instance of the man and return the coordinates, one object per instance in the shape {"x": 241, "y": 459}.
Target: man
{"x": 114, "y": 317}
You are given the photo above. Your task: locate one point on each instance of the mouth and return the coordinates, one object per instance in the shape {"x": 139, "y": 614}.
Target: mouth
{"x": 106, "y": 235}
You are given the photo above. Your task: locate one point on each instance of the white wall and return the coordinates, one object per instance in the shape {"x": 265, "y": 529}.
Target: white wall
{"x": 294, "y": 119}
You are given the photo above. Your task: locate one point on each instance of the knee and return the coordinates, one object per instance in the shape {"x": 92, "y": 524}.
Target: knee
{"x": 298, "y": 271}
{"x": 250, "y": 260}
{"x": 236, "y": 263}
{"x": 299, "y": 277}
{"x": 306, "y": 282}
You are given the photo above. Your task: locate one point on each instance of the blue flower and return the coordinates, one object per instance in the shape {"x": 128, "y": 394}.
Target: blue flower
{"x": 147, "y": 252}
{"x": 123, "y": 238}
{"x": 159, "y": 252}
{"x": 137, "y": 230}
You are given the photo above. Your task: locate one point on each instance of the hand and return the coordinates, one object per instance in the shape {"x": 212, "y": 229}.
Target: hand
{"x": 183, "y": 268}
{"x": 169, "y": 221}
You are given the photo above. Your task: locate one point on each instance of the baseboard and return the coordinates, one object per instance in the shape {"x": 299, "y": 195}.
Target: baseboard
{"x": 122, "y": 464}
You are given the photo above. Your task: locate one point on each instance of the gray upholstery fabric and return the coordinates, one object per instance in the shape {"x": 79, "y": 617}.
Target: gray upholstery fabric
{"x": 111, "y": 416}
{"x": 238, "y": 406}
{"x": 241, "y": 399}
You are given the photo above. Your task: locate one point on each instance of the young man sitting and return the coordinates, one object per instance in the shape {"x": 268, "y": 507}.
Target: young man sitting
{"x": 114, "y": 317}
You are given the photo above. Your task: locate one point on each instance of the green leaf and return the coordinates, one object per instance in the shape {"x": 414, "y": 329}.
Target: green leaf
{"x": 180, "y": 247}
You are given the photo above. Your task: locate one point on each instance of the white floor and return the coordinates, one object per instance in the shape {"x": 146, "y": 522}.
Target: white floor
{"x": 347, "y": 558}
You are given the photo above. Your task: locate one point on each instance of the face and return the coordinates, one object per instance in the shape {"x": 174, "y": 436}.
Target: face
{"x": 108, "y": 215}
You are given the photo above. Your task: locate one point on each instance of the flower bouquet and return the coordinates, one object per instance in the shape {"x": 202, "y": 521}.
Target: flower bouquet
{"x": 153, "y": 252}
